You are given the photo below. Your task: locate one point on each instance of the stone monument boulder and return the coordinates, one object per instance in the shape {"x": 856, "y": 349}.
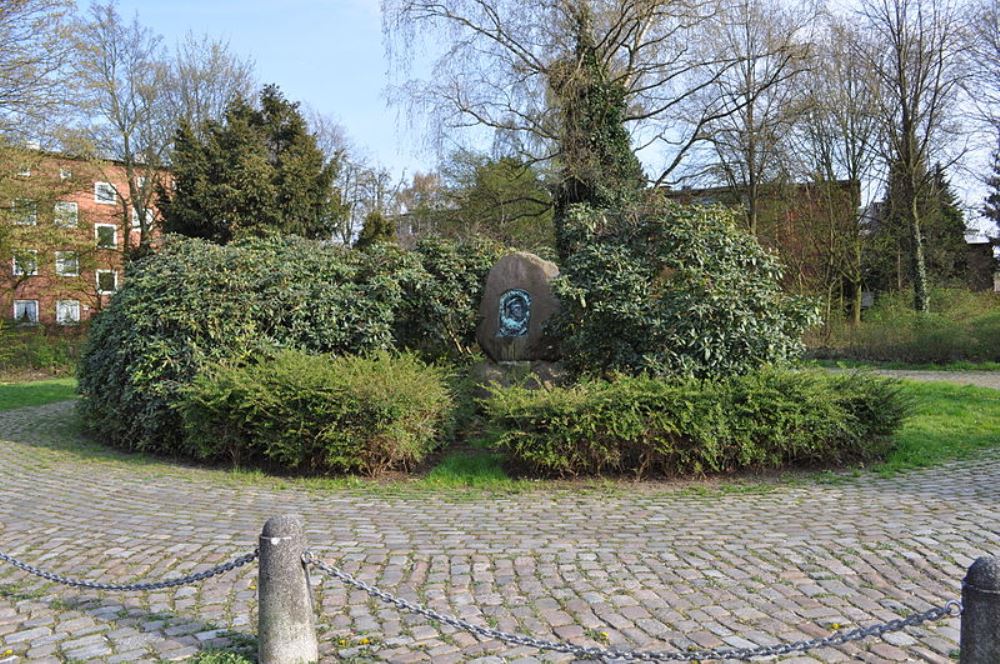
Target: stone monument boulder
{"x": 517, "y": 301}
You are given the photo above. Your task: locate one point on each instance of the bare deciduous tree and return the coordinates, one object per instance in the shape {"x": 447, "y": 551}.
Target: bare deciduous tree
{"x": 983, "y": 55}
{"x": 204, "y": 77}
{"x": 760, "y": 98}
{"x": 121, "y": 73}
{"x": 914, "y": 56}
{"x": 33, "y": 51}
{"x": 504, "y": 55}
{"x": 837, "y": 141}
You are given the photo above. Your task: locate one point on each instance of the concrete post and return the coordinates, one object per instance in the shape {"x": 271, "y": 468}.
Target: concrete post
{"x": 286, "y": 633}
{"x": 980, "y": 642}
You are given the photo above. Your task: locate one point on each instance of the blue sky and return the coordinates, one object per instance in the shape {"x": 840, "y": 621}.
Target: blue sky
{"x": 325, "y": 53}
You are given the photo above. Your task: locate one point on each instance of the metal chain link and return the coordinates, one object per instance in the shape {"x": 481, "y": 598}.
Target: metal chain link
{"x": 952, "y": 608}
{"x": 157, "y": 585}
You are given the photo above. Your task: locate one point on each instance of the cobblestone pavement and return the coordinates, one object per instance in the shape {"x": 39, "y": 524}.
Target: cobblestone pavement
{"x": 641, "y": 565}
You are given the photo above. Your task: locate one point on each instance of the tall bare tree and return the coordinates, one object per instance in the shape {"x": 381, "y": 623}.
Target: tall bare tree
{"x": 914, "y": 56}
{"x": 836, "y": 145}
{"x": 761, "y": 96}
{"x": 504, "y": 59}
{"x": 33, "y": 51}
{"x": 204, "y": 77}
{"x": 983, "y": 55}
{"x": 122, "y": 73}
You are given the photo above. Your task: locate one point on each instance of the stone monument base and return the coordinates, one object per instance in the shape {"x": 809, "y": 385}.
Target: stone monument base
{"x": 532, "y": 375}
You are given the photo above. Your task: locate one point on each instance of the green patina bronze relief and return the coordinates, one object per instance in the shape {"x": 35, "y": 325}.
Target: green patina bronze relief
{"x": 515, "y": 313}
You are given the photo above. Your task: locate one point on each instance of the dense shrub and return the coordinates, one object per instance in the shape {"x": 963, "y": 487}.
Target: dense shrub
{"x": 673, "y": 291}
{"x": 442, "y": 283}
{"x": 197, "y": 303}
{"x": 649, "y": 426}
{"x": 318, "y": 413}
{"x": 53, "y": 350}
{"x": 963, "y": 326}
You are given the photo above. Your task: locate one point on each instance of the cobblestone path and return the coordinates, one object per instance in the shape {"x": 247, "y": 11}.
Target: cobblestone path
{"x": 647, "y": 565}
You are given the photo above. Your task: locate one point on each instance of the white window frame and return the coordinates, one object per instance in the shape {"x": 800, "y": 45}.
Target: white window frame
{"x": 71, "y": 321}
{"x": 114, "y": 235}
{"x": 61, "y": 258}
{"x": 65, "y": 173}
{"x": 97, "y": 279}
{"x": 140, "y": 182}
{"x": 25, "y": 172}
{"x": 19, "y": 271}
{"x": 32, "y": 212}
{"x": 65, "y": 206}
{"x": 31, "y": 321}
{"x": 103, "y": 201}
{"x": 134, "y": 217}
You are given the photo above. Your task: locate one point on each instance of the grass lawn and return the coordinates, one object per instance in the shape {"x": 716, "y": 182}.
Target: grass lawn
{"x": 949, "y": 422}
{"x": 36, "y": 393}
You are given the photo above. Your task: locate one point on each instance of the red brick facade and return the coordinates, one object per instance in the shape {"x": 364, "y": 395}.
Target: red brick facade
{"x": 69, "y": 225}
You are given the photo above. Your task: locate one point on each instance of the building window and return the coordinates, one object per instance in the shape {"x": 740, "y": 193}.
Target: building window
{"x": 107, "y": 282}
{"x": 66, "y": 214}
{"x": 104, "y": 193}
{"x": 67, "y": 312}
{"x": 65, "y": 174}
{"x": 67, "y": 264}
{"x": 25, "y": 212}
{"x": 149, "y": 218}
{"x": 106, "y": 235}
{"x": 140, "y": 183}
{"x": 26, "y": 311}
{"x": 24, "y": 171}
{"x": 26, "y": 263}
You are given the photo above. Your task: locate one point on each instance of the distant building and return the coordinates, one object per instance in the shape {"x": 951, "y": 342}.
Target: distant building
{"x": 68, "y": 228}
{"x": 983, "y": 266}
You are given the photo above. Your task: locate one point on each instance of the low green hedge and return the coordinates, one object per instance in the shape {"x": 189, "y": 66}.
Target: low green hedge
{"x": 647, "y": 426}
{"x": 317, "y": 413}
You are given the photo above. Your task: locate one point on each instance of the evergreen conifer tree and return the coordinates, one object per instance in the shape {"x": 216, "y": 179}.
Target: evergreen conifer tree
{"x": 377, "y": 229}
{"x": 258, "y": 172}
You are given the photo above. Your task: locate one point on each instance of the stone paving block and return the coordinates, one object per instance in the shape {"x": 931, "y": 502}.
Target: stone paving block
{"x": 650, "y": 567}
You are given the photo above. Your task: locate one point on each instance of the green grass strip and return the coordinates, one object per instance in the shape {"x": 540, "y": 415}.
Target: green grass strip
{"x": 949, "y": 422}
{"x": 36, "y": 393}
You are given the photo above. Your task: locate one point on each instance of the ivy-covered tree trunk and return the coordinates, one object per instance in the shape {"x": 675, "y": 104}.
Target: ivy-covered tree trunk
{"x": 597, "y": 164}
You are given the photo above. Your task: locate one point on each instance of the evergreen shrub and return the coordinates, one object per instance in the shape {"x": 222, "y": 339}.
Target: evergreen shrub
{"x": 195, "y": 304}
{"x": 672, "y": 290}
{"x": 318, "y": 413}
{"x": 682, "y": 426}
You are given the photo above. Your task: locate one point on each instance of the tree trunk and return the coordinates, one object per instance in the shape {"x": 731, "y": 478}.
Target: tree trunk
{"x": 921, "y": 301}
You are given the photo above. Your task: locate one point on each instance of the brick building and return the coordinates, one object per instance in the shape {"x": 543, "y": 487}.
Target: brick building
{"x": 67, "y": 225}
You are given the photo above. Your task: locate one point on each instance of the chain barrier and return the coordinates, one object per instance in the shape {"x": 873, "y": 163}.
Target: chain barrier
{"x": 157, "y": 585}
{"x": 951, "y": 609}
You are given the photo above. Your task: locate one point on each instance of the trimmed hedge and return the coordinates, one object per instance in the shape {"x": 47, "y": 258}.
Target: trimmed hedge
{"x": 318, "y": 413}
{"x": 649, "y": 426}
